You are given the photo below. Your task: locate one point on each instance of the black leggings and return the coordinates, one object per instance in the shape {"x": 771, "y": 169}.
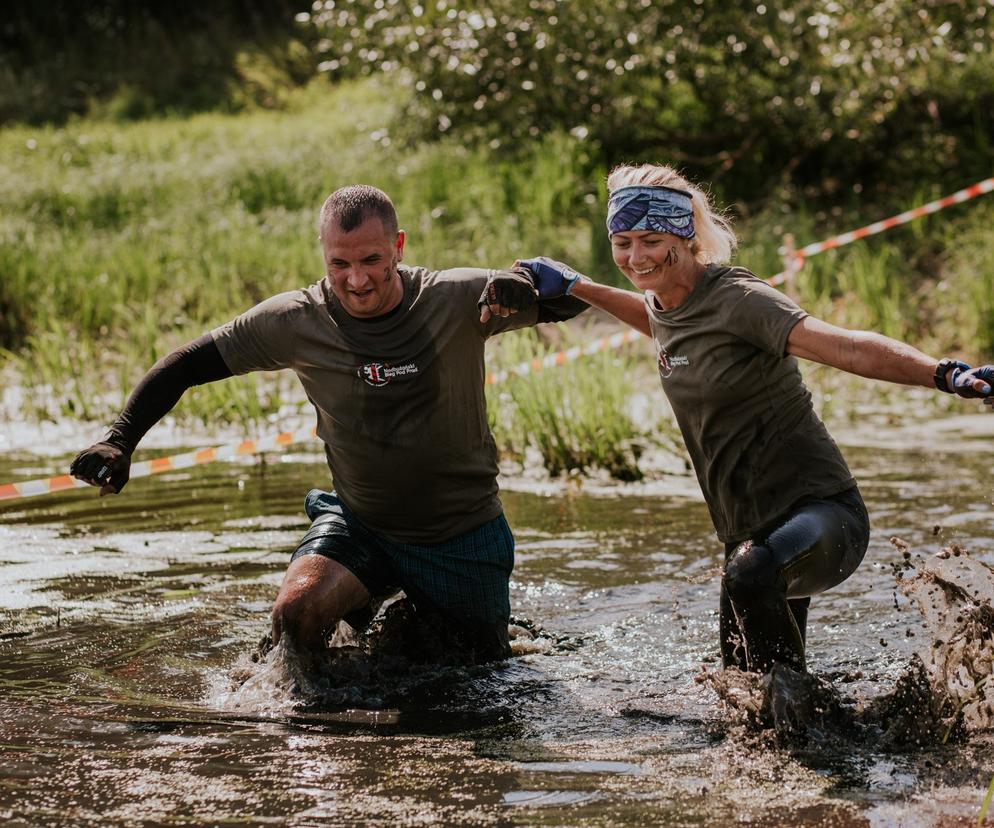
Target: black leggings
{"x": 768, "y": 581}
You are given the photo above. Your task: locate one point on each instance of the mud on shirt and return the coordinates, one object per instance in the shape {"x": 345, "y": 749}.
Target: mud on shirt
{"x": 400, "y": 398}
{"x": 746, "y": 417}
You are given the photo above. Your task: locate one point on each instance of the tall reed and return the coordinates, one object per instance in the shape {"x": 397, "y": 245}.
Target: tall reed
{"x": 577, "y": 416}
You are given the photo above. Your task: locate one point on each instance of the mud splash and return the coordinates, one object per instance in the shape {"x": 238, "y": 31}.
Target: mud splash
{"x": 955, "y": 594}
{"x": 402, "y": 656}
{"x": 945, "y": 693}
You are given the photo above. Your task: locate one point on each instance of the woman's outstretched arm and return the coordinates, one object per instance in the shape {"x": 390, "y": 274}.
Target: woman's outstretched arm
{"x": 554, "y": 278}
{"x": 624, "y": 305}
{"x": 879, "y": 357}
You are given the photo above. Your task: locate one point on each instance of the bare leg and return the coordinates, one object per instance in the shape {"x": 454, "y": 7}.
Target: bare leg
{"x": 316, "y": 592}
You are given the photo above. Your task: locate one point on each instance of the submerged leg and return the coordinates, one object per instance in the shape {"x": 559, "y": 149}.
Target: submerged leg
{"x": 316, "y": 592}
{"x": 464, "y": 583}
{"x": 759, "y": 598}
{"x": 769, "y": 582}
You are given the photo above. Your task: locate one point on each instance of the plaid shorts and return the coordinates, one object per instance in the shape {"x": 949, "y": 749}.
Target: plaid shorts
{"x": 464, "y": 578}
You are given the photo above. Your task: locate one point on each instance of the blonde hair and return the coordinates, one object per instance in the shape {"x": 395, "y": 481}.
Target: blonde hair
{"x": 714, "y": 240}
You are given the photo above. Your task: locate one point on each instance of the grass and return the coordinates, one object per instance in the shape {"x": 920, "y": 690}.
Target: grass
{"x": 968, "y": 284}
{"x": 119, "y": 242}
{"x": 986, "y": 803}
{"x": 577, "y": 416}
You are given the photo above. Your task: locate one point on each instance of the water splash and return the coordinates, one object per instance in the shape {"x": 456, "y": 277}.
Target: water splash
{"x": 403, "y": 656}
{"x": 955, "y": 594}
{"x": 794, "y": 706}
{"x": 945, "y": 693}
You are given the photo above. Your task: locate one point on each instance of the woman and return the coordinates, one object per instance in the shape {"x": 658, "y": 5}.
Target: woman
{"x": 780, "y": 494}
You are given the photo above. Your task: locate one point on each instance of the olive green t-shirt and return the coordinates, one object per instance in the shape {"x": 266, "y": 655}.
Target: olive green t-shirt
{"x": 400, "y": 398}
{"x": 747, "y": 420}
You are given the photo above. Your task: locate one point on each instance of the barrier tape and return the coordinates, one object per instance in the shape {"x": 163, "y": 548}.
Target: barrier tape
{"x": 561, "y": 357}
{"x": 842, "y": 239}
{"x": 31, "y": 488}
{"x": 10, "y": 491}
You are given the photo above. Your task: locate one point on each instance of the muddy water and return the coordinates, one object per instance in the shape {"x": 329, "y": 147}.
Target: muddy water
{"x": 124, "y": 620}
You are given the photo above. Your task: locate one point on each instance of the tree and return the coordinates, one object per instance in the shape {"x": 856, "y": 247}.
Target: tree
{"x": 815, "y": 92}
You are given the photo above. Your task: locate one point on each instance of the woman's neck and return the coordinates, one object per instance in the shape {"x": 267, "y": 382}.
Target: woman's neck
{"x": 677, "y": 284}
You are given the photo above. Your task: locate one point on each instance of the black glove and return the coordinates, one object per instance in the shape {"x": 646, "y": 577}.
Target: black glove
{"x": 507, "y": 291}
{"x": 955, "y": 377}
{"x": 103, "y": 464}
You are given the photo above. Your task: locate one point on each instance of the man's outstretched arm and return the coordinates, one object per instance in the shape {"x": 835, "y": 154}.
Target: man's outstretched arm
{"x": 108, "y": 463}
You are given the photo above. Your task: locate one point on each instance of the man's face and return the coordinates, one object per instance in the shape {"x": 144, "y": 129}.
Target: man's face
{"x": 362, "y": 267}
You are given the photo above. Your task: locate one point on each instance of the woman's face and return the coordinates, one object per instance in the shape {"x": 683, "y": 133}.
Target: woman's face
{"x": 648, "y": 257}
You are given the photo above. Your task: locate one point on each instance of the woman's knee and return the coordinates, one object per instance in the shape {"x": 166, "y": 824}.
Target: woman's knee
{"x": 750, "y": 572}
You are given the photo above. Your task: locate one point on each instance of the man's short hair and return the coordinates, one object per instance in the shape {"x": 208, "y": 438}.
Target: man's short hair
{"x": 351, "y": 206}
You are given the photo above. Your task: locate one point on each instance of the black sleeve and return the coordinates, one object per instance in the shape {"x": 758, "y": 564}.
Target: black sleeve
{"x": 560, "y": 309}
{"x": 192, "y": 364}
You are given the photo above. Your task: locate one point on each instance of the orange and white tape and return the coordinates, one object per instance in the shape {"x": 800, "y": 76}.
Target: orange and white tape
{"x": 533, "y": 366}
{"x": 10, "y": 491}
{"x": 30, "y": 488}
{"x": 842, "y": 239}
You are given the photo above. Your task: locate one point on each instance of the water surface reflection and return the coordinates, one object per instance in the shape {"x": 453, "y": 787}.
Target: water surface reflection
{"x": 122, "y": 619}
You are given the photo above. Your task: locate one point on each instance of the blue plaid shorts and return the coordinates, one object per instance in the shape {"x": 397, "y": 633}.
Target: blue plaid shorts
{"x": 465, "y": 578}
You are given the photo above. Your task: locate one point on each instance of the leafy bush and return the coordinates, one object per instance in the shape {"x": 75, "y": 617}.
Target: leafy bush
{"x": 752, "y": 94}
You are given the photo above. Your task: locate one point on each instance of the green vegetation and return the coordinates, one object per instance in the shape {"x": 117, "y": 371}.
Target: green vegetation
{"x": 986, "y": 803}
{"x": 577, "y": 415}
{"x": 129, "y": 225}
{"x": 119, "y": 242}
{"x": 126, "y": 60}
{"x": 843, "y": 101}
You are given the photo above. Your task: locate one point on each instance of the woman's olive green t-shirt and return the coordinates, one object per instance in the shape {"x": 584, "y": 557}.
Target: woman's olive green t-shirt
{"x": 746, "y": 417}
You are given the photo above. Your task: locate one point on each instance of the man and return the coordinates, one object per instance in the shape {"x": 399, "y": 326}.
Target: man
{"x": 392, "y": 359}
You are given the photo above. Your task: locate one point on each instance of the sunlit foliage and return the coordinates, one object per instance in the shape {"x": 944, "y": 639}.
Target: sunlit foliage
{"x": 819, "y": 92}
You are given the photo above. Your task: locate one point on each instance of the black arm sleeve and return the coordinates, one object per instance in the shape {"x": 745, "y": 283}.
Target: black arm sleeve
{"x": 560, "y": 309}
{"x": 192, "y": 364}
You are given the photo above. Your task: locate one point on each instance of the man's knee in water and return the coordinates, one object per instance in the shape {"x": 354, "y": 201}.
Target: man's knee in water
{"x": 296, "y": 617}
{"x": 750, "y": 572}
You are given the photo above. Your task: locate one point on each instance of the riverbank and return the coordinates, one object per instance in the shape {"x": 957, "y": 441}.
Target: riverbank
{"x": 860, "y": 415}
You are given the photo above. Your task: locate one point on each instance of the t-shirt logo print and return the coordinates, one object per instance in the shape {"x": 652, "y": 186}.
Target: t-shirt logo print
{"x": 379, "y": 374}
{"x": 667, "y": 362}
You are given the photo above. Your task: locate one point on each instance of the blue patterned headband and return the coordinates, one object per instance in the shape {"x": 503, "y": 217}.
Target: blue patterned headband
{"x": 652, "y": 207}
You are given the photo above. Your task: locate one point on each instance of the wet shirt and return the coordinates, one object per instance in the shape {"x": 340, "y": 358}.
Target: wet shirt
{"x": 747, "y": 420}
{"x": 400, "y": 398}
